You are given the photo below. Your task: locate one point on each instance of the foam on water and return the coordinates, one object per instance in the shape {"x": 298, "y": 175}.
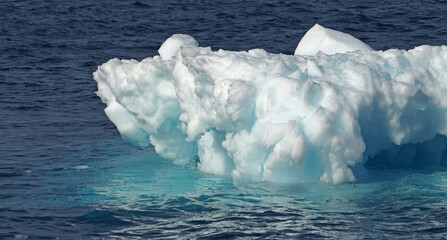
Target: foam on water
{"x": 256, "y": 116}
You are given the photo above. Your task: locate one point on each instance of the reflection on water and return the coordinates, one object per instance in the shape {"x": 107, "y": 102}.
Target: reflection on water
{"x": 150, "y": 197}
{"x": 133, "y": 193}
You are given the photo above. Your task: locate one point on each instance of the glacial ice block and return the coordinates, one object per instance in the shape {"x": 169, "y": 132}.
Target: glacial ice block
{"x": 328, "y": 41}
{"x": 258, "y": 116}
{"x": 170, "y": 47}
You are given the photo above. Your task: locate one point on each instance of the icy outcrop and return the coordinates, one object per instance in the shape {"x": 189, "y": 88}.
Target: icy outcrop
{"x": 328, "y": 41}
{"x": 258, "y": 116}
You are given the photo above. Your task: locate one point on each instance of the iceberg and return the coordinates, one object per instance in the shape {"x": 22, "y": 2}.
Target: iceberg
{"x": 335, "y": 106}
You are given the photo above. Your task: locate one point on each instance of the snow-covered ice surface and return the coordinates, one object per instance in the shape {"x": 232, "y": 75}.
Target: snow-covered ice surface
{"x": 320, "y": 115}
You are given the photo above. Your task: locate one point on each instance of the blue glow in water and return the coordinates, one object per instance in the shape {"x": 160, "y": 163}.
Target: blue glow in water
{"x": 65, "y": 172}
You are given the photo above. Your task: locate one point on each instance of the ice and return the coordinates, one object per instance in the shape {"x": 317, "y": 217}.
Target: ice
{"x": 173, "y": 44}
{"x": 328, "y": 41}
{"x": 256, "y": 116}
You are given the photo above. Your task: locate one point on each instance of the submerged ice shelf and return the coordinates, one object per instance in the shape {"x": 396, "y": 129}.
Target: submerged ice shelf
{"x": 258, "y": 116}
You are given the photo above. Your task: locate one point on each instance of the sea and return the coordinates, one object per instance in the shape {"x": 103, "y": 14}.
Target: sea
{"x": 66, "y": 173}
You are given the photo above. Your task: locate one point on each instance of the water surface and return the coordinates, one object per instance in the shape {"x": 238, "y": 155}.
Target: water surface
{"x": 66, "y": 173}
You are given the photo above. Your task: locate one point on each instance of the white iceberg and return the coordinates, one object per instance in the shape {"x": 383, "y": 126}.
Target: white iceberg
{"x": 258, "y": 116}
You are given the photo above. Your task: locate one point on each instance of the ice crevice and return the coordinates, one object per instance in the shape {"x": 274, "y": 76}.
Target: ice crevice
{"x": 256, "y": 116}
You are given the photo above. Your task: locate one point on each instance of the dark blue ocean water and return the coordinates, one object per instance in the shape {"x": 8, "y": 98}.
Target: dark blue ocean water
{"x": 66, "y": 173}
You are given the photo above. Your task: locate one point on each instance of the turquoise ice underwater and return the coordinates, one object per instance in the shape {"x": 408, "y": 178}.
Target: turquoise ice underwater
{"x": 323, "y": 114}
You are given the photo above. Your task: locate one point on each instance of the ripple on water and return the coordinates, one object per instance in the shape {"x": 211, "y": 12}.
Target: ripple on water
{"x": 66, "y": 173}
